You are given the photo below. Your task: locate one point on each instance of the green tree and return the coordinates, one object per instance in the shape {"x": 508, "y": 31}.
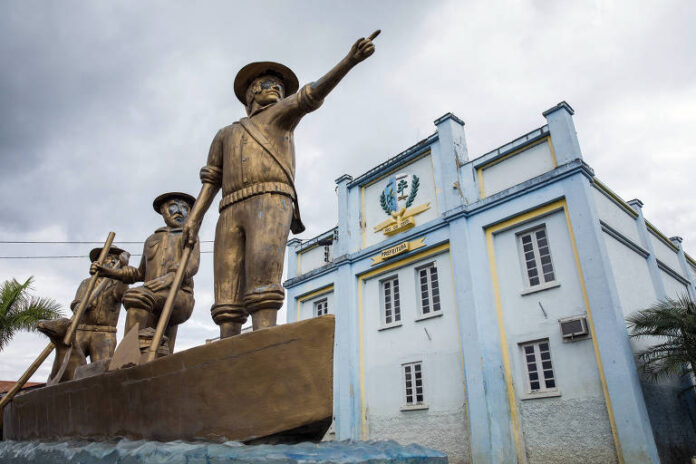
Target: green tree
{"x": 673, "y": 321}
{"x": 20, "y": 311}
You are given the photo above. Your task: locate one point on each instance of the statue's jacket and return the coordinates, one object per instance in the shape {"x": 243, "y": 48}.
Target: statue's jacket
{"x": 103, "y": 313}
{"x": 242, "y": 167}
{"x": 161, "y": 255}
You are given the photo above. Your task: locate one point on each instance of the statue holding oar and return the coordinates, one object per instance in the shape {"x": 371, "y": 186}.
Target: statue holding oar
{"x": 162, "y": 255}
{"x": 96, "y": 332}
{"x": 253, "y": 162}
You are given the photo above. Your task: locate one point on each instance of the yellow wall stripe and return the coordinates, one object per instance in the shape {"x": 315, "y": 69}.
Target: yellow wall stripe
{"x": 361, "y": 279}
{"x": 525, "y": 217}
{"x": 327, "y": 289}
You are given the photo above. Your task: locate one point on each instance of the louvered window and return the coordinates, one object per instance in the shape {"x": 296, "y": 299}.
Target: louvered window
{"x": 391, "y": 302}
{"x": 536, "y": 256}
{"x": 428, "y": 289}
{"x": 537, "y": 359}
{"x": 413, "y": 384}
{"x": 321, "y": 307}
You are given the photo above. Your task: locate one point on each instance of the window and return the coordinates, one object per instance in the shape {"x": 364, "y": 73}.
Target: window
{"x": 429, "y": 289}
{"x": 391, "y": 301}
{"x": 321, "y": 307}
{"x": 537, "y": 257}
{"x": 413, "y": 384}
{"x": 537, "y": 359}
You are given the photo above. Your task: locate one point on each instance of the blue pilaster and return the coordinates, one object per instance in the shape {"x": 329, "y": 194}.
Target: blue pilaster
{"x": 346, "y": 355}
{"x": 654, "y": 270}
{"x": 345, "y": 234}
{"x": 480, "y": 417}
{"x": 347, "y": 350}
{"x": 622, "y": 383}
{"x": 677, "y": 241}
{"x": 563, "y": 134}
{"x": 449, "y": 152}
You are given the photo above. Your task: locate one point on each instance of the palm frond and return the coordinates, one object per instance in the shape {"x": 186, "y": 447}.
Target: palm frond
{"x": 21, "y": 311}
{"x": 673, "y": 320}
{"x": 12, "y": 294}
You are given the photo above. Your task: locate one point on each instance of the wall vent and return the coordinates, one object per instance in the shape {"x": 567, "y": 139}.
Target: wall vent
{"x": 573, "y": 328}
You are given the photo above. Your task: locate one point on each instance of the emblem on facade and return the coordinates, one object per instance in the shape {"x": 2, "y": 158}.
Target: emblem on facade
{"x": 396, "y": 200}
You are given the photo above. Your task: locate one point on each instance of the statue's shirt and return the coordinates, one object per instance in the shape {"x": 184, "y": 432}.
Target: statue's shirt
{"x": 161, "y": 255}
{"x": 236, "y": 160}
{"x": 106, "y": 306}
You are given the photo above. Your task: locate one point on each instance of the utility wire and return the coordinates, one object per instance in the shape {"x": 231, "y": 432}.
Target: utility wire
{"x": 65, "y": 256}
{"x": 76, "y": 243}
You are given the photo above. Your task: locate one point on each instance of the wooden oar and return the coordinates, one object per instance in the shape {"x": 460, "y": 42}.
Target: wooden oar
{"x": 69, "y": 337}
{"x": 169, "y": 305}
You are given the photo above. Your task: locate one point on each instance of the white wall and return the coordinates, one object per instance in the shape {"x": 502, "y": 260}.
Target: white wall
{"x": 615, "y": 216}
{"x": 517, "y": 168}
{"x": 434, "y": 342}
{"x": 632, "y": 276}
{"x": 673, "y": 288}
{"x": 307, "y": 306}
{"x": 574, "y": 418}
{"x": 312, "y": 258}
{"x": 665, "y": 253}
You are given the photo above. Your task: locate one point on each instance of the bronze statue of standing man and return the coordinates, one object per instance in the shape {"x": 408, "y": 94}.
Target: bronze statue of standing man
{"x": 253, "y": 161}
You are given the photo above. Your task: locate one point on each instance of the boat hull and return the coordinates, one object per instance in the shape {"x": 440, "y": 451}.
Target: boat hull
{"x": 272, "y": 385}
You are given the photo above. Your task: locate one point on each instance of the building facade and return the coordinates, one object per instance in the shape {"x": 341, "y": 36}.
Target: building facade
{"x": 480, "y": 304}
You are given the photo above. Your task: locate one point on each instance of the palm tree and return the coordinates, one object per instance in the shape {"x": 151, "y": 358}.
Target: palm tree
{"x": 21, "y": 311}
{"x": 674, "y": 322}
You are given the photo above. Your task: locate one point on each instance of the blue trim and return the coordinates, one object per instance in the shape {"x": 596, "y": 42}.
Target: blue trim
{"x": 504, "y": 150}
{"x": 621, "y": 238}
{"x": 406, "y": 155}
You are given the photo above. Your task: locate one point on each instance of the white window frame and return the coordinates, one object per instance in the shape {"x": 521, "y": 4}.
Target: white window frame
{"x": 537, "y": 259}
{"x": 541, "y": 370}
{"x": 410, "y": 371}
{"x": 395, "y": 302}
{"x": 318, "y": 307}
{"x": 432, "y": 291}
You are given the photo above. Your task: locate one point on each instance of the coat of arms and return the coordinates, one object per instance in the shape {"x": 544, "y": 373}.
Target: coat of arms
{"x": 396, "y": 201}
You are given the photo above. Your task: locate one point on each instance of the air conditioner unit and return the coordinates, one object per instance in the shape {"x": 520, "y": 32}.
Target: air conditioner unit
{"x": 573, "y": 327}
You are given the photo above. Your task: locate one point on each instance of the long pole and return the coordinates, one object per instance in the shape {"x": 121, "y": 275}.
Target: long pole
{"x": 69, "y": 335}
{"x": 49, "y": 348}
{"x": 169, "y": 305}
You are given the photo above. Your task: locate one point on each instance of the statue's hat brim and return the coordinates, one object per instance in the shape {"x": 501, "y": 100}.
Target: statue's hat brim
{"x": 248, "y": 73}
{"x": 167, "y": 196}
{"x": 94, "y": 254}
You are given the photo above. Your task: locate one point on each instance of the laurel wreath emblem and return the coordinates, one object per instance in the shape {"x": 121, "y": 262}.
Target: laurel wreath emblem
{"x": 384, "y": 202}
{"x": 415, "y": 183}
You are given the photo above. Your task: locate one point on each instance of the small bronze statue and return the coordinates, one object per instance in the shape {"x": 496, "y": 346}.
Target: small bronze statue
{"x": 161, "y": 255}
{"x": 96, "y": 334}
{"x": 253, "y": 161}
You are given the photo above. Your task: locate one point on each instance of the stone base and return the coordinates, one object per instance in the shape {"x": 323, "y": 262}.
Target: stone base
{"x": 127, "y": 451}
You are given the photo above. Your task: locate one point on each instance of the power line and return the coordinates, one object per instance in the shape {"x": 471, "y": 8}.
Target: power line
{"x": 65, "y": 256}
{"x": 75, "y": 242}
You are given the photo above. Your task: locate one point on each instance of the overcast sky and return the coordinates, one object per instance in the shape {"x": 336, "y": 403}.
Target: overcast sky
{"x": 105, "y": 105}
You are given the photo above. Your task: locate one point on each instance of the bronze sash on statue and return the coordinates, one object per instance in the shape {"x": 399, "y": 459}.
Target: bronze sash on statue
{"x": 248, "y": 125}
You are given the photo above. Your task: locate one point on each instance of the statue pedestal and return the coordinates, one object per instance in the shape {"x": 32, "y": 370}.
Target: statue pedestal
{"x": 329, "y": 452}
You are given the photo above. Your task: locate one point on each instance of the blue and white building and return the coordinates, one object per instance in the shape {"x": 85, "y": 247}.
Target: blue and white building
{"x": 480, "y": 304}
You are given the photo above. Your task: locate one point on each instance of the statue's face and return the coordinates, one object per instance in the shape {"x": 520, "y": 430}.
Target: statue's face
{"x": 110, "y": 260}
{"x": 267, "y": 89}
{"x": 175, "y": 212}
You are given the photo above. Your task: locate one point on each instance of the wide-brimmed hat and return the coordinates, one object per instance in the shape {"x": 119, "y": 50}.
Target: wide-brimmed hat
{"x": 94, "y": 254}
{"x": 166, "y": 196}
{"x": 248, "y": 73}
